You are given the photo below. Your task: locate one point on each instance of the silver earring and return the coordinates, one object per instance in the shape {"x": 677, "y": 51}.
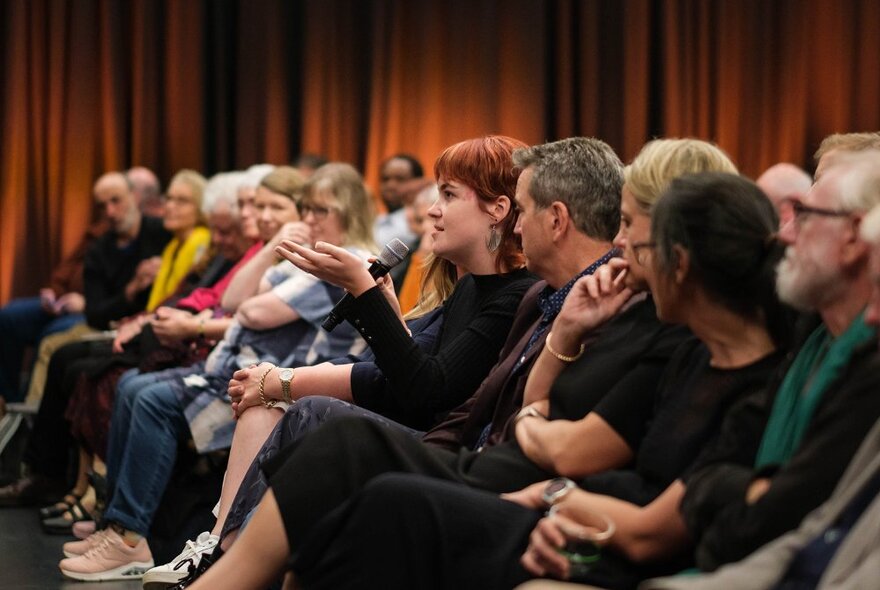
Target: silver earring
{"x": 494, "y": 241}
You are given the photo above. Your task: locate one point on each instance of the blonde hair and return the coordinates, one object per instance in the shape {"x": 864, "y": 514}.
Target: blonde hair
{"x": 285, "y": 180}
{"x": 196, "y": 182}
{"x": 848, "y": 142}
{"x": 355, "y": 205}
{"x": 662, "y": 160}
{"x": 438, "y": 282}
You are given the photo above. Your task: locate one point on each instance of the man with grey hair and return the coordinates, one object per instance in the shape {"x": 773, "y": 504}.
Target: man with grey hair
{"x": 568, "y": 196}
{"x": 782, "y": 183}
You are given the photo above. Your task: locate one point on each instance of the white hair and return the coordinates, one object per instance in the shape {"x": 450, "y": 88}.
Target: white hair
{"x": 870, "y": 228}
{"x": 222, "y": 191}
{"x": 859, "y": 184}
{"x": 252, "y": 176}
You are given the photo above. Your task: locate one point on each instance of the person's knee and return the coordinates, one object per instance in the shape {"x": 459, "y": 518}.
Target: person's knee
{"x": 257, "y": 421}
{"x": 157, "y": 399}
{"x": 127, "y": 389}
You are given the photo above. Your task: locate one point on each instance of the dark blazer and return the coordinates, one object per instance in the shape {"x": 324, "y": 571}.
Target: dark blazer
{"x": 500, "y": 394}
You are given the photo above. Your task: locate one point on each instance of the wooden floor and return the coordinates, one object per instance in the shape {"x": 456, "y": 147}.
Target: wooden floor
{"x": 29, "y": 558}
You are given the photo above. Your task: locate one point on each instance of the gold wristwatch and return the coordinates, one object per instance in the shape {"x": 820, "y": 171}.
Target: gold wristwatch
{"x": 286, "y": 376}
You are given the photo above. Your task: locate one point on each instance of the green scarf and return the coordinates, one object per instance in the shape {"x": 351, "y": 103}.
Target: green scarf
{"x": 810, "y": 375}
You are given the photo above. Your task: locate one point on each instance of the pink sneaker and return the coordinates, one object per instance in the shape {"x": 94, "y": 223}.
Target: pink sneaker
{"x": 77, "y": 548}
{"x": 110, "y": 559}
{"x": 82, "y": 529}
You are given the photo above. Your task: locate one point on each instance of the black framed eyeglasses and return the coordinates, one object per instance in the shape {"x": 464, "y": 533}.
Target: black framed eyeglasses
{"x": 320, "y": 213}
{"x": 640, "y": 249}
{"x": 800, "y": 212}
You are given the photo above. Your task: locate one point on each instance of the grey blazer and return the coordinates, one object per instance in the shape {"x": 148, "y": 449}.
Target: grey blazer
{"x": 856, "y": 565}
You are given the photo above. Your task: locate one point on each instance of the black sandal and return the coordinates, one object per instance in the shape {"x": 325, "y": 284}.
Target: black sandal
{"x": 53, "y": 510}
{"x": 59, "y": 525}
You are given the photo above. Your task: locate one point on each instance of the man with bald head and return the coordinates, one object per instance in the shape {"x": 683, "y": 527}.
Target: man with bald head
{"x": 147, "y": 190}
{"x": 120, "y": 267}
{"x": 782, "y": 183}
{"x": 118, "y": 272}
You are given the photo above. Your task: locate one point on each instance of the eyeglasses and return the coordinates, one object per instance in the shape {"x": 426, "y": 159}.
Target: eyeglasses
{"x": 178, "y": 200}
{"x": 800, "y": 212}
{"x": 320, "y": 213}
{"x": 641, "y": 250}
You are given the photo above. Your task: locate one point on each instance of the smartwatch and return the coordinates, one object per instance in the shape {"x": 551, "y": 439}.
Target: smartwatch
{"x": 556, "y": 489}
{"x": 286, "y": 376}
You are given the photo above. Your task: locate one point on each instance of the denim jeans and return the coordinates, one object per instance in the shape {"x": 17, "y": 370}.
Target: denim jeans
{"x": 146, "y": 426}
{"x": 23, "y": 323}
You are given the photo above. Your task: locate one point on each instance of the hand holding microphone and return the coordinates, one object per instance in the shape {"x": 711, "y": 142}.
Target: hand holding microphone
{"x": 342, "y": 268}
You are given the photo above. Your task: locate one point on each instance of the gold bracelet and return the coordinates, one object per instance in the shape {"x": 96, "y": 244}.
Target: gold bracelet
{"x": 559, "y": 355}
{"x": 201, "y": 329}
{"x": 271, "y": 403}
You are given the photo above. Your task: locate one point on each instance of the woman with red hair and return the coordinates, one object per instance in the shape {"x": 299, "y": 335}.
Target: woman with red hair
{"x": 421, "y": 366}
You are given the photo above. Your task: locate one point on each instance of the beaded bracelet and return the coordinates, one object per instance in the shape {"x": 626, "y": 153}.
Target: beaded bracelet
{"x": 559, "y": 355}
{"x": 271, "y": 403}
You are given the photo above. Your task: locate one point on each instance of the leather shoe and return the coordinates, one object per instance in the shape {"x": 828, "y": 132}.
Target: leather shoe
{"x": 27, "y": 491}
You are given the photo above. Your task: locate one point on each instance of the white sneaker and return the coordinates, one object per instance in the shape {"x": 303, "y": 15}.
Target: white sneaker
{"x": 111, "y": 559}
{"x": 170, "y": 574}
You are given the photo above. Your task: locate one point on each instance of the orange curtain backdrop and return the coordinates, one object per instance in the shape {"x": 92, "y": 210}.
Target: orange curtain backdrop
{"x": 95, "y": 85}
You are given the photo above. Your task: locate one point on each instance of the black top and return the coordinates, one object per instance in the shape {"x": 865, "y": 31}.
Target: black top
{"x": 108, "y": 268}
{"x": 425, "y": 384}
{"x": 629, "y": 353}
{"x": 725, "y": 527}
{"x": 667, "y": 429}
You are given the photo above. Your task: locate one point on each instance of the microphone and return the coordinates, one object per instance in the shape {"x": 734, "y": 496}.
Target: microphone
{"x": 391, "y": 255}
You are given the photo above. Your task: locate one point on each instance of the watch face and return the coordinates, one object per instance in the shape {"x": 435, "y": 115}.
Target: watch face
{"x": 555, "y": 486}
{"x": 286, "y": 375}
{"x": 556, "y": 489}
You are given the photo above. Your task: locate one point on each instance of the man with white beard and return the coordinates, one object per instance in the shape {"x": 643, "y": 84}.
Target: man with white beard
{"x": 782, "y": 457}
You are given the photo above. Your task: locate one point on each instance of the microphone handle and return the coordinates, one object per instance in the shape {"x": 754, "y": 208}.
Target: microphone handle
{"x": 334, "y": 318}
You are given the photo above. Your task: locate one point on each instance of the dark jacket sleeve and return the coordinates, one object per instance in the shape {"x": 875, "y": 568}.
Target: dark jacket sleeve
{"x": 369, "y": 387}
{"x": 849, "y": 409}
{"x": 423, "y": 384}
{"x": 105, "y": 275}
{"x": 104, "y": 303}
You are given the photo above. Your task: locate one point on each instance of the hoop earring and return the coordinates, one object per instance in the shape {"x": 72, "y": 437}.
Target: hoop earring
{"x": 494, "y": 241}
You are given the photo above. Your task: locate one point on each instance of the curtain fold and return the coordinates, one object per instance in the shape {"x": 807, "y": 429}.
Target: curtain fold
{"x": 95, "y": 85}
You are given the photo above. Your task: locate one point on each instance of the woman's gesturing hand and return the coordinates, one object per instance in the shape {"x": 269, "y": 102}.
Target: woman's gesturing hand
{"x": 329, "y": 263}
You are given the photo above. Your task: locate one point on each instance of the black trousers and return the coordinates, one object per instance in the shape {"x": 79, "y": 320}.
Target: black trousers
{"x": 316, "y": 475}
{"x": 409, "y": 531}
{"x": 50, "y": 445}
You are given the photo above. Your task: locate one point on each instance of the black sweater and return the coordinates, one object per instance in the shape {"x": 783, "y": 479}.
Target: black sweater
{"x": 108, "y": 268}
{"x": 425, "y": 384}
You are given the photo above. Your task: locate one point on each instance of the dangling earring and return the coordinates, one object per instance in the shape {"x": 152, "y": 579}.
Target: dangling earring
{"x": 494, "y": 241}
